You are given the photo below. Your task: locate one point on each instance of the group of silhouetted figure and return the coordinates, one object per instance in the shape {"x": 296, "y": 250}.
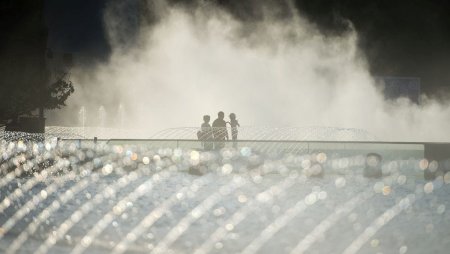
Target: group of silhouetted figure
{"x": 214, "y": 137}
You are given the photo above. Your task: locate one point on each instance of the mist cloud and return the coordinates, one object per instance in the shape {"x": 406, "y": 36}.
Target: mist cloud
{"x": 272, "y": 72}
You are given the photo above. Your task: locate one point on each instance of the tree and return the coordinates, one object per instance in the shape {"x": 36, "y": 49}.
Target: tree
{"x": 21, "y": 100}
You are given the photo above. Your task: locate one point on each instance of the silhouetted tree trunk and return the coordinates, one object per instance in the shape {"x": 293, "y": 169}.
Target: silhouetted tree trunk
{"x": 24, "y": 78}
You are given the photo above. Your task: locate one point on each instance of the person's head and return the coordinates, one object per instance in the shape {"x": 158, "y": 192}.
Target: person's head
{"x": 232, "y": 116}
{"x": 221, "y": 115}
{"x": 206, "y": 118}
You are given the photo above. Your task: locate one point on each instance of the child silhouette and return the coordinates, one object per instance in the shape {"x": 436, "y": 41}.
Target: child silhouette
{"x": 234, "y": 131}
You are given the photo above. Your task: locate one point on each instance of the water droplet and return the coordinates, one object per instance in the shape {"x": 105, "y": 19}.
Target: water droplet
{"x": 43, "y": 194}
{"x": 441, "y": 209}
{"x": 131, "y": 237}
{"x": 340, "y": 182}
{"x": 219, "y": 211}
{"x": 229, "y": 227}
{"x": 107, "y": 169}
{"x": 146, "y": 160}
{"x": 423, "y": 164}
{"x": 428, "y": 187}
{"x": 86, "y": 241}
{"x": 306, "y": 164}
{"x": 195, "y": 155}
{"x": 311, "y": 199}
{"x": 227, "y": 169}
{"x": 246, "y": 151}
{"x": 403, "y": 249}
{"x": 433, "y": 166}
{"x": 447, "y": 178}
{"x": 401, "y": 179}
{"x": 6, "y": 202}
{"x": 242, "y": 198}
{"x": 378, "y": 187}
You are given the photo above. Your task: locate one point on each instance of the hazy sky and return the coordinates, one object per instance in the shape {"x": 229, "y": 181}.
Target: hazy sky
{"x": 77, "y": 26}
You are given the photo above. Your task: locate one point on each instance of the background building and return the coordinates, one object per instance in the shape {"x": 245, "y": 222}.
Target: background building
{"x": 397, "y": 87}
{"x": 23, "y": 47}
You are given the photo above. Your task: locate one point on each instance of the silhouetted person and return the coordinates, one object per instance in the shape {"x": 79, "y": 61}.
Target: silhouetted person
{"x": 234, "y": 131}
{"x": 220, "y": 131}
{"x": 206, "y": 135}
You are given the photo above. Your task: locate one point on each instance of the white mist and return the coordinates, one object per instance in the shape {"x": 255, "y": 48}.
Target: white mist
{"x": 278, "y": 73}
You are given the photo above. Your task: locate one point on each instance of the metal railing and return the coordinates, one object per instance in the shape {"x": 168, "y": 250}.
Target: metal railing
{"x": 397, "y": 150}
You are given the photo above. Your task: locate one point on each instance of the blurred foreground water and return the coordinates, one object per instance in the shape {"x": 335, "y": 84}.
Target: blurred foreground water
{"x": 75, "y": 197}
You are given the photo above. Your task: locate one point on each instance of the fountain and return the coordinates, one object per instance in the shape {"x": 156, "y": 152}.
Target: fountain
{"x": 121, "y": 115}
{"x": 70, "y": 197}
{"x": 101, "y": 114}
{"x": 82, "y": 119}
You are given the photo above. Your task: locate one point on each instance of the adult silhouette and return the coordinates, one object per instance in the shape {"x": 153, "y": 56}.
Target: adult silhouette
{"x": 220, "y": 132}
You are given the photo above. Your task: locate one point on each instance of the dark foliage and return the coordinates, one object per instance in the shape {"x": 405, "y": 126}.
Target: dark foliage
{"x": 58, "y": 92}
{"x": 17, "y": 102}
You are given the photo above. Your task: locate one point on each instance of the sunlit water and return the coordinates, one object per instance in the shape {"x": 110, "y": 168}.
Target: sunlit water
{"x": 98, "y": 198}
